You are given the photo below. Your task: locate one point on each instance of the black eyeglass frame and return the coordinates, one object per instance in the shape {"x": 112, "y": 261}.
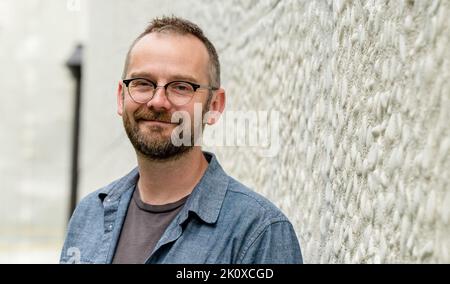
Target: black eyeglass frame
{"x": 194, "y": 86}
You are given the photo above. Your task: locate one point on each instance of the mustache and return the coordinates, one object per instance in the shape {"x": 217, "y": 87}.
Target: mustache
{"x": 144, "y": 114}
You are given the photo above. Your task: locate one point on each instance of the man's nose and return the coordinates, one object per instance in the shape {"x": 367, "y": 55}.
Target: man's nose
{"x": 159, "y": 100}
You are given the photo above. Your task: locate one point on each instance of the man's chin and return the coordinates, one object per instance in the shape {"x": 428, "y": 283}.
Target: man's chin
{"x": 153, "y": 140}
{"x": 162, "y": 152}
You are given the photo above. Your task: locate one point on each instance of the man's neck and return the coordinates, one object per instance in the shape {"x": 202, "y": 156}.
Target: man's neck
{"x": 163, "y": 182}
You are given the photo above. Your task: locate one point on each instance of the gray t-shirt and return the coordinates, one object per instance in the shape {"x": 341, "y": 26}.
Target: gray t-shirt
{"x": 143, "y": 227}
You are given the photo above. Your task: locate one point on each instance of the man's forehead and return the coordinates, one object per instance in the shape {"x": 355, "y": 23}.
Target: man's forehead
{"x": 155, "y": 41}
{"x": 170, "y": 49}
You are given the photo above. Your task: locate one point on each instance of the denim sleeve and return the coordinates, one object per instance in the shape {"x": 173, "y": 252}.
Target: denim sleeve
{"x": 275, "y": 244}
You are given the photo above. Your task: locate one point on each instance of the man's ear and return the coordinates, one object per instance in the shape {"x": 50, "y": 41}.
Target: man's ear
{"x": 216, "y": 106}
{"x": 120, "y": 98}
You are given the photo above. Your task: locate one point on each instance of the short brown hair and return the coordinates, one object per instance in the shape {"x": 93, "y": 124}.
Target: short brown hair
{"x": 181, "y": 26}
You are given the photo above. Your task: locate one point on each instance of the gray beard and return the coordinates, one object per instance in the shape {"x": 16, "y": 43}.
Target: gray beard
{"x": 158, "y": 150}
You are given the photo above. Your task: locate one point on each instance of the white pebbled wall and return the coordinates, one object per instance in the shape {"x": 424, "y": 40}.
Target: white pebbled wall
{"x": 362, "y": 92}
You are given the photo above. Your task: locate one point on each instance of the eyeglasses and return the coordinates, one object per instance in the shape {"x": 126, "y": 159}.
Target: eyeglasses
{"x": 179, "y": 93}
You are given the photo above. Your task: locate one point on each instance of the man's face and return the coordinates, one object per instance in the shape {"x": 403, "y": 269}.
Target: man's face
{"x": 162, "y": 58}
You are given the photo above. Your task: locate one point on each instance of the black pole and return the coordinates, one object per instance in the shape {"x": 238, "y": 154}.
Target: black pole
{"x": 75, "y": 65}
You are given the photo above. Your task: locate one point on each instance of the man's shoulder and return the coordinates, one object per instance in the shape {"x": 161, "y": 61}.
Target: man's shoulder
{"x": 113, "y": 190}
{"x": 90, "y": 202}
{"x": 265, "y": 233}
{"x": 94, "y": 197}
{"x": 244, "y": 200}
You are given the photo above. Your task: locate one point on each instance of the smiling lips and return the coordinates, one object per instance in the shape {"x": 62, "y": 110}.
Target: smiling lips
{"x": 156, "y": 122}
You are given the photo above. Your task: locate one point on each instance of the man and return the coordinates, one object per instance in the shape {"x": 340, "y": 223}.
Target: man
{"x": 178, "y": 205}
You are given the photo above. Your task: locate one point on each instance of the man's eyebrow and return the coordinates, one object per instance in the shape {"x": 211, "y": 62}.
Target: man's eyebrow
{"x": 141, "y": 75}
{"x": 171, "y": 78}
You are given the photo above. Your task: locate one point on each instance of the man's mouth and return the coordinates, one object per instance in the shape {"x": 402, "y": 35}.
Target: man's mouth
{"x": 156, "y": 122}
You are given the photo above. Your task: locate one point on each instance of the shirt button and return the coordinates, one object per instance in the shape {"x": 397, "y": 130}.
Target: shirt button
{"x": 110, "y": 226}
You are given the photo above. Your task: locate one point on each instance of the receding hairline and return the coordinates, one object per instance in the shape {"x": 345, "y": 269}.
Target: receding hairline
{"x": 172, "y": 30}
{"x": 167, "y": 32}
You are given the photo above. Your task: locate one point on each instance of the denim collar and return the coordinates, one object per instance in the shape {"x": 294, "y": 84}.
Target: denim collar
{"x": 205, "y": 201}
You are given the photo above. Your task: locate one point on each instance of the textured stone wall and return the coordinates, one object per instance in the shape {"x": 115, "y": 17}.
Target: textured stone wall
{"x": 362, "y": 92}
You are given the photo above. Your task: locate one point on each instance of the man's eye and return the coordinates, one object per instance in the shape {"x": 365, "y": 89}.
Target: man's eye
{"x": 141, "y": 84}
{"x": 180, "y": 87}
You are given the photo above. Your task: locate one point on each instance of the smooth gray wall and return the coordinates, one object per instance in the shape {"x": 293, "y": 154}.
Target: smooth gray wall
{"x": 36, "y": 110}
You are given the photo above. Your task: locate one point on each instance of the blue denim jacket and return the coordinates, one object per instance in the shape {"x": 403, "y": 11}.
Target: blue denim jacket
{"x": 222, "y": 222}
